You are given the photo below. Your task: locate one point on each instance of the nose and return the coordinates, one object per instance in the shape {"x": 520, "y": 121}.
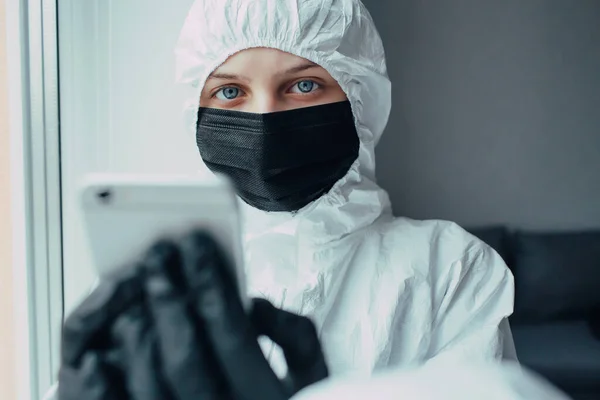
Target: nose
{"x": 264, "y": 103}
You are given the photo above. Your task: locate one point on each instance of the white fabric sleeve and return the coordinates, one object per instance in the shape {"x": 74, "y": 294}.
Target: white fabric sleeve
{"x": 471, "y": 321}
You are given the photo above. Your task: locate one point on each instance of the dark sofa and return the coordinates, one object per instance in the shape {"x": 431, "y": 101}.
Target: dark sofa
{"x": 556, "y": 323}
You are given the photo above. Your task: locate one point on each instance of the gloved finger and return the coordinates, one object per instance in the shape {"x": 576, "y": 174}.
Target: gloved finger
{"x": 93, "y": 380}
{"x": 297, "y": 337}
{"x": 88, "y": 325}
{"x": 132, "y": 333}
{"x": 230, "y": 332}
{"x": 188, "y": 364}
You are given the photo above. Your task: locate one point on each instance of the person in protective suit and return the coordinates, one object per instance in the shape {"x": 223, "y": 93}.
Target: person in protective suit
{"x": 290, "y": 100}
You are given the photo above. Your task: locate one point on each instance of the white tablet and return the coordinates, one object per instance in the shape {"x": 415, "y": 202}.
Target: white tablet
{"x": 126, "y": 214}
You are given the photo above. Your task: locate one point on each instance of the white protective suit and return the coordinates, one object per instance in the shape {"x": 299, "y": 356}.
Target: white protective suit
{"x": 382, "y": 291}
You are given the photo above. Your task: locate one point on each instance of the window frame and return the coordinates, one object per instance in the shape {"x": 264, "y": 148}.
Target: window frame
{"x": 36, "y": 191}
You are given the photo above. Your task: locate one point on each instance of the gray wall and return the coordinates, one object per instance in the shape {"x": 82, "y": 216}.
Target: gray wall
{"x": 496, "y": 111}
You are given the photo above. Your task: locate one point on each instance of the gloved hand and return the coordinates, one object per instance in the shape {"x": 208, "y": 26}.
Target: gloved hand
{"x": 173, "y": 327}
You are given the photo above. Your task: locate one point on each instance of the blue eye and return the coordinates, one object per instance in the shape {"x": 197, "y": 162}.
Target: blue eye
{"x": 228, "y": 93}
{"x": 304, "y": 87}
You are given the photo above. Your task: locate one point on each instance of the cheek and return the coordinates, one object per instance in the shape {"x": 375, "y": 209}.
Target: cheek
{"x": 337, "y": 94}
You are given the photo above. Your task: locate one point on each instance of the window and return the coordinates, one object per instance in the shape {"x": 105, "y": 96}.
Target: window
{"x": 94, "y": 91}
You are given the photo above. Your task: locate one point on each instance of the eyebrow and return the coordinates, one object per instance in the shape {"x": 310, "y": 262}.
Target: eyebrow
{"x": 231, "y": 77}
{"x": 299, "y": 68}
{"x": 293, "y": 70}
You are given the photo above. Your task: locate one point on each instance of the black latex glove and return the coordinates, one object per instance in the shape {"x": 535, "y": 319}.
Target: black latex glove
{"x": 173, "y": 327}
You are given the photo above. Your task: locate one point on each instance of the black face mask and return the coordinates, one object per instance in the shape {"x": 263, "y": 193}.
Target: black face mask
{"x": 280, "y": 161}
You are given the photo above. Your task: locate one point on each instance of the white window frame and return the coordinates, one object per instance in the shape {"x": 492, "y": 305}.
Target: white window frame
{"x": 36, "y": 195}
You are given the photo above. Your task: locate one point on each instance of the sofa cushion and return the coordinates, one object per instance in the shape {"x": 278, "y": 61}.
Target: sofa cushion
{"x": 557, "y": 275}
{"x": 495, "y": 237}
{"x": 564, "y": 352}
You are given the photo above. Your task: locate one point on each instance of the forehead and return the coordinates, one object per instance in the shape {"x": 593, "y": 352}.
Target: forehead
{"x": 263, "y": 60}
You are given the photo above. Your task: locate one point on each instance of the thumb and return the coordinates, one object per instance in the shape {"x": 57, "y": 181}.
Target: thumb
{"x": 297, "y": 337}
